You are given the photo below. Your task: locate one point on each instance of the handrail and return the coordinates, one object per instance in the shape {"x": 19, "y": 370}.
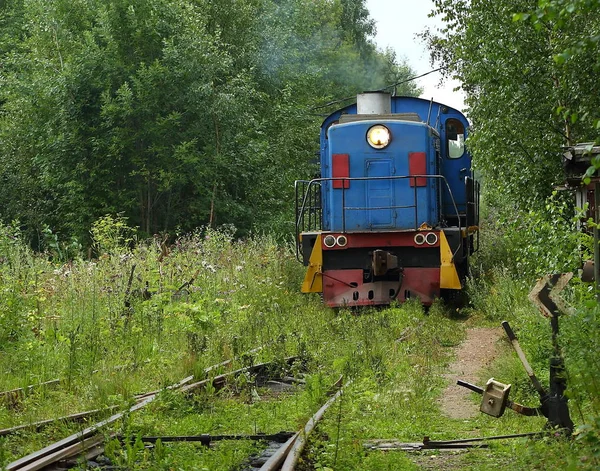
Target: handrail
{"x": 300, "y": 212}
{"x": 472, "y": 206}
{"x": 311, "y": 184}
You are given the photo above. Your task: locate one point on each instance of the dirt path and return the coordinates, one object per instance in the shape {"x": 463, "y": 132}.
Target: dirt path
{"x": 477, "y": 351}
{"x": 473, "y": 356}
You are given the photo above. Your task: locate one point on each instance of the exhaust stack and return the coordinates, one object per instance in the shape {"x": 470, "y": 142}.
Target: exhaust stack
{"x": 374, "y": 103}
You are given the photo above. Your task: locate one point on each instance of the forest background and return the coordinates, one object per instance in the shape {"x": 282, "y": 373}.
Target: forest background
{"x": 172, "y": 113}
{"x": 177, "y": 114}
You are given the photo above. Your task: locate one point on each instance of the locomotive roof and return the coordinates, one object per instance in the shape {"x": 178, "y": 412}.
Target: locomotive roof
{"x": 350, "y": 118}
{"x": 404, "y": 105}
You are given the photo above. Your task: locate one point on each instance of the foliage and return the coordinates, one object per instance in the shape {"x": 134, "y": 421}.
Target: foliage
{"x": 576, "y": 55}
{"x": 519, "y": 125}
{"x": 175, "y": 113}
{"x": 20, "y": 286}
{"x": 111, "y": 234}
{"x": 501, "y": 293}
{"x": 530, "y": 242}
{"x": 211, "y": 297}
{"x": 528, "y": 69}
{"x": 581, "y": 333}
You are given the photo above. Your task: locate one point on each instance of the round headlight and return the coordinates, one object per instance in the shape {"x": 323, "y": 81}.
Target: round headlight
{"x": 419, "y": 239}
{"x": 329, "y": 241}
{"x": 378, "y": 136}
{"x": 431, "y": 238}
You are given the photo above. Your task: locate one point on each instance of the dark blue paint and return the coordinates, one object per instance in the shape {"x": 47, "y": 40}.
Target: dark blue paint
{"x": 407, "y": 137}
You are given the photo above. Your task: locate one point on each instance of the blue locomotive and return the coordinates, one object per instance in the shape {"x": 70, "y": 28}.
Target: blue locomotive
{"x": 394, "y": 214}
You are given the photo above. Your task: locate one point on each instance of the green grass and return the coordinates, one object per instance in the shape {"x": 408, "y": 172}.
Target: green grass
{"x": 71, "y": 321}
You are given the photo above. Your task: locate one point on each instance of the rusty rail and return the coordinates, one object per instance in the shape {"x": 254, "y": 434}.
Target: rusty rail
{"x": 427, "y": 444}
{"x": 41, "y": 458}
{"x": 78, "y": 417}
{"x": 15, "y": 394}
{"x": 286, "y": 458}
{"x": 296, "y": 449}
{"x": 87, "y": 438}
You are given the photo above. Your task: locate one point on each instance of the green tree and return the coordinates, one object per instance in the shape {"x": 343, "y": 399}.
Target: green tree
{"x": 575, "y": 29}
{"x": 527, "y": 98}
{"x": 524, "y": 103}
{"x": 176, "y": 113}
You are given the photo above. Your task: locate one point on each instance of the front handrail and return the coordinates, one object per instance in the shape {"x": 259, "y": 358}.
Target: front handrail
{"x": 314, "y": 209}
{"x": 312, "y": 184}
{"x": 472, "y": 208}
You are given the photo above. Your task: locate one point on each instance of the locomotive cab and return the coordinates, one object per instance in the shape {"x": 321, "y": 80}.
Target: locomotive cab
{"x": 388, "y": 217}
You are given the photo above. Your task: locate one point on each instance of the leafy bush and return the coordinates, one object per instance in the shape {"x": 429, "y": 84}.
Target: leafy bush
{"x": 111, "y": 234}
{"x": 501, "y": 293}
{"x": 531, "y": 243}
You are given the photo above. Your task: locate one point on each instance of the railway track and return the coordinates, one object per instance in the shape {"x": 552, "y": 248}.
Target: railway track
{"x": 287, "y": 456}
{"x": 281, "y": 452}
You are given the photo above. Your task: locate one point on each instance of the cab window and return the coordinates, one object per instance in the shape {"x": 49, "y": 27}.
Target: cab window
{"x": 455, "y": 138}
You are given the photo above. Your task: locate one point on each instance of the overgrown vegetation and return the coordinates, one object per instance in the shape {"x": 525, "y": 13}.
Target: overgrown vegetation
{"x": 519, "y": 128}
{"x": 169, "y": 115}
{"x": 500, "y": 292}
{"x": 520, "y": 125}
{"x": 137, "y": 318}
{"x": 144, "y": 315}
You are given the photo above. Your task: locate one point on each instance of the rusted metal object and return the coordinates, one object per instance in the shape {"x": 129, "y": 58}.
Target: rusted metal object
{"x": 127, "y": 299}
{"x": 588, "y": 271}
{"x": 518, "y": 408}
{"x": 383, "y": 261}
{"x": 495, "y": 398}
{"x": 220, "y": 380}
{"x": 286, "y": 457}
{"x": 79, "y": 417}
{"x": 296, "y": 450}
{"x": 176, "y": 386}
{"x": 554, "y": 404}
{"x": 276, "y": 460}
{"x": 515, "y": 343}
{"x": 66, "y": 452}
{"x": 416, "y": 446}
{"x": 207, "y": 371}
{"x": 428, "y": 444}
{"x": 546, "y": 294}
{"x": 42, "y": 455}
{"x": 14, "y": 395}
{"x": 52, "y": 453}
{"x": 577, "y": 162}
{"x": 207, "y": 439}
{"x": 298, "y": 446}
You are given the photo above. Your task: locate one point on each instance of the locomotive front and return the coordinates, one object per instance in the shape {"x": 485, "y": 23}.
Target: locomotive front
{"x": 383, "y": 222}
